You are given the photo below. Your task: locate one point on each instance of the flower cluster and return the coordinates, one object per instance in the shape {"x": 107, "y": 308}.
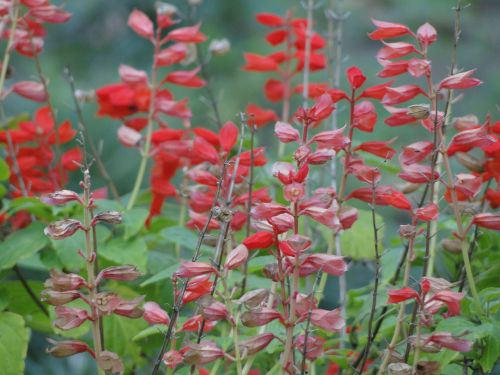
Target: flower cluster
{"x": 63, "y": 288}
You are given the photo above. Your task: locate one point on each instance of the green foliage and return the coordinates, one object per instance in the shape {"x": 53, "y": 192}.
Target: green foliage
{"x": 14, "y": 337}
{"x": 358, "y": 241}
{"x": 21, "y": 245}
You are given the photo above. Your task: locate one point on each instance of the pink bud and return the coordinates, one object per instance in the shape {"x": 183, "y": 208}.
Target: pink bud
{"x": 331, "y": 264}
{"x": 193, "y": 324}
{"x": 427, "y": 213}
{"x": 61, "y": 282}
{"x": 314, "y": 347}
{"x": 124, "y": 273}
{"x": 355, "y": 77}
{"x": 202, "y": 353}
{"x": 347, "y": 216}
{"x": 448, "y": 341}
{"x": 154, "y": 314}
{"x": 110, "y": 217}
{"x": 55, "y": 298}
{"x": 110, "y": 362}
{"x": 191, "y": 269}
{"x": 256, "y": 344}
{"x": 321, "y": 156}
{"x": 254, "y": 298}
{"x": 271, "y": 271}
{"x": 130, "y": 308}
{"x": 141, "y": 24}
{"x": 331, "y": 321}
{"x": 211, "y": 309}
{"x": 487, "y": 220}
{"x": 68, "y": 348}
{"x": 258, "y": 317}
{"x": 285, "y": 132}
{"x": 70, "y": 317}
{"x": 30, "y": 90}
{"x": 172, "y": 358}
{"x": 128, "y": 136}
{"x": 105, "y": 303}
{"x": 60, "y": 197}
{"x": 236, "y": 257}
{"x": 294, "y": 192}
{"x": 460, "y": 81}
{"x": 426, "y": 34}
{"x": 62, "y": 229}
{"x": 132, "y": 75}
{"x": 50, "y": 13}
{"x": 267, "y": 211}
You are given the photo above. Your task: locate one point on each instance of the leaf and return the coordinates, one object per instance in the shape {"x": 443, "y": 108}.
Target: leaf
{"x": 14, "y": 337}
{"x": 156, "y": 329}
{"x": 20, "y": 302}
{"x": 162, "y": 275}
{"x": 4, "y": 170}
{"x": 133, "y": 220}
{"x": 121, "y": 251}
{"x": 119, "y": 332}
{"x": 359, "y": 246}
{"x": 491, "y": 351}
{"x": 21, "y": 245}
{"x": 183, "y": 237}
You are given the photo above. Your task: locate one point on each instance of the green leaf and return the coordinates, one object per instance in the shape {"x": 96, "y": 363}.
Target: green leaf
{"x": 491, "y": 352}
{"x": 4, "y": 170}
{"x": 184, "y": 237}
{"x": 153, "y": 330}
{"x": 20, "y": 302}
{"x": 119, "y": 332}
{"x": 21, "y": 245}
{"x": 162, "y": 275}
{"x": 14, "y": 337}
{"x": 121, "y": 251}
{"x": 133, "y": 220}
{"x": 358, "y": 241}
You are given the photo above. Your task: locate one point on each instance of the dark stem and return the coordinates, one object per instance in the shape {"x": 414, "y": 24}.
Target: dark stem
{"x": 30, "y": 291}
{"x": 308, "y": 324}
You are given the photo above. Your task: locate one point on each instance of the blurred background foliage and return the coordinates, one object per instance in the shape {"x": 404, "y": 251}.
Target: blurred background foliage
{"x": 97, "y": 40}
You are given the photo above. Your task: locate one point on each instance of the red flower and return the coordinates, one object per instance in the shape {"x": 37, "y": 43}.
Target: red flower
{"x": 427, "y": 213}
{"x": 141, "y": 24}
{"x": 259, "y": 117}
{"x": 388, "y": 30}
{"x": 258, "y": 63}
{"x": 123, "y": 99}
{"x": 187, "y": 78}
{"x": 460, "y": 81}
{"x": 378, "y": 148}
{"x": 259, "y": 240}
{"x": 487, "y": 220}
{"x": 188, "y": 34}
{"x": 401, "y": 295}
{"x": 355, "y": 77}
{"x": 269, "y": 19}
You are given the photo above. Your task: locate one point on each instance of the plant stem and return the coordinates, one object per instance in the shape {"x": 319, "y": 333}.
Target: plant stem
{"x": 10, "y": 42}
{"x": 149, "y": 128}
{"x": 96, "y": 331}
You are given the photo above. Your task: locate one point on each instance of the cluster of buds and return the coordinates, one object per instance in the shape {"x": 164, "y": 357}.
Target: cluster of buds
{"x": 63, "y": 288}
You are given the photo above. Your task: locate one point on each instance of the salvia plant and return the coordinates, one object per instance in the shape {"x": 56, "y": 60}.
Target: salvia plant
{"x": 222, "y": 256}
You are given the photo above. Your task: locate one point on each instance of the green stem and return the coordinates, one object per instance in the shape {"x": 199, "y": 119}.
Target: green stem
{"x": 12, "y": 33}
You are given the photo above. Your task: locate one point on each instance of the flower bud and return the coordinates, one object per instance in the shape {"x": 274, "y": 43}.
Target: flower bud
{"x": 62, "y": 229}
{"x": 304, "y": 304}
{"x": 419, "y": 111}
{"x": 211, "y": 309}
{"x": 219, "y": 46}
{"x": 254, "y": 298}
{"x": 399, "y": 369}
{"x": 110, "y": 217}
{"x": 259, "y": 240}
{"x": 60, "y": 197}
{"x": 131, "y": 308}
{"x": 172, "y": 358}
{"x": 465, "y": 122}
{"x": 123, "y": 273}
{"x": 236, "y": 257}
{"x": 110, "y": 362}
{"x": 294, "y": 192}
{"x": 55, "y": 298}
{"x": 258, "y": 317}
{"x": 301, "y": 154}
{"x": 68, "y": 348}
{"x": 192, "y": 269}
{"x": 331, "y": 321}
{"x": 30, "y": 90}
{"x": 256, "y": 344}
{"x": 285, "y": 132}
{"x": 469, "y": 162}
{"x": 271, "y": 272}
{"x": 314, "y": 346}
{"x": 154, "y": 314}
{"x": 61, "y": 282}
{"x": 321, "y": 156}
{"x": 407, "y": 231}
{"x": 70, "y": 317}
{"x": 129, "y": 137}
{"x": 193, "y": 324}
{"x": 347, "y": 216}
{"x": 202, "y": 353}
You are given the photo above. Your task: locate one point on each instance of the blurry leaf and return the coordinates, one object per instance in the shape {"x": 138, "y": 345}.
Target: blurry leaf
{"x": 156, "y": 329}
{"x": 4, "y": 170}
{"x": 389, "y": 261}
{"x": 121, "y": 251}
{"x": 67, "y": 249}
{"x": 30, "y": 204}
{"x": 358, "y": 241}
{"x": 119, "y": 332}
{"x": 162, "y": 275}
{"x": 257, "y": 263}
{"x": 491, "y": 351}
{"x": 21, "y": 245}
{"x": 133, "y": 220}
{"x": 383, "y": 165}
{"x": 184, "y": 237}
{"x": 3, "y": 190}
{"x": 21, "y": 303}
{"x": 14, "y": 337}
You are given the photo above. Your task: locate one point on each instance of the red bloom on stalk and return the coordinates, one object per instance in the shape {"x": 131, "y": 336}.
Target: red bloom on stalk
{"x": 388, "y": 30}
{"x": 460, "y": 81}
{"x": 355, "y": 77}
{"x": 259, "y": 240}
{"x": 258, "y": 116}
{"x": 401, "y": 295}
{"x": 487, "y": 220}
{"x": 123, "y": 99}
{"x": 378, "y": 148}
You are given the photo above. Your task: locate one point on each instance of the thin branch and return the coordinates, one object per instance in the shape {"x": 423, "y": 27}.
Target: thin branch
{"x": 308, "y": 324}
{"x": 30, "y": 291}
{"x": 84, "y": 129}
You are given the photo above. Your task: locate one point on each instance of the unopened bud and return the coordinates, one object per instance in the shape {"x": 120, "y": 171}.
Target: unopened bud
{"x": 123, "y": 273}
{"x": 106, "y": 303}
{"x": 61, "y": 282}
{"x": 172, "y": 358}
{"x": 68, "y": 348}
{"x": 236, "y": 257}
{"x": 256, "y": 344}
{"x": 154, "y": 314}
{"x": 110, "y": 362}
{"x": 271, "y": 272}
{"x": 110, "y": 217}
{"x": 203, "y": 353}
{"x": 259, "y": 317}
{"x": 452, "y": 245}
{"x": 55, "y": 298}
{"x": 469, "y": 162}
{"x": 399, "y": 369}
{"x": 254, "y": 298}
{"x": 62, "y": 229}
{"x": 419, "y": 111}
{"x": 130, "y": 308}
{"x": 70, "y": 317}
{"x": 465, "y": 122}
{"x": 219, "y": 46}
{"x": 129, "y": 137}
{"x": 211, "y": 309}
{"x": 192, "y": 269}
{"x": 60, "y": 197}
